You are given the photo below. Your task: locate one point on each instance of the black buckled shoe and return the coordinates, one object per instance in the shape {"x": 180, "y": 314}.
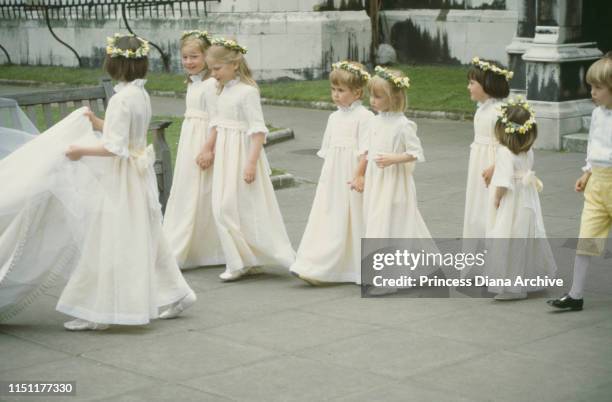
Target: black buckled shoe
{"x": 566, "y": 302}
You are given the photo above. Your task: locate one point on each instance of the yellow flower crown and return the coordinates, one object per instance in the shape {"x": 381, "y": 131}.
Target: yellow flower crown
{"x": 197, "y": 34}
{"x": 363, "y": 75}
{"x": 511, "y": 127}
{"x": 399, "y": 82}
{"x": 113, "y": 51}
{"x": 486, "y": 66}
{"x": 229, "y": 44}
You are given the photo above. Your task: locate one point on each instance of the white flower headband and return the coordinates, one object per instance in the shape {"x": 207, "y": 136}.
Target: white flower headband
{"x": 399, "y": 82}
{"x": 345, "y": 65}
{"x": 486, "y": 66}
{"x": 113, "y": 51}
{"x": 511, "y": 127}
{"x": 204, "y": 35}
{"x": 229, "y": 44}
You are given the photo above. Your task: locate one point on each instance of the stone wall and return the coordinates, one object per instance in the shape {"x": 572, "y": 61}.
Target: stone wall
{"x": 448, "y": 36}
{"x": 295, "y": 44}
{"x": 445, "y": 4}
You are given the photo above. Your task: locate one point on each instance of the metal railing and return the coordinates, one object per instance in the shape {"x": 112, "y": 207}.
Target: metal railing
{"x": 51, "y": 10}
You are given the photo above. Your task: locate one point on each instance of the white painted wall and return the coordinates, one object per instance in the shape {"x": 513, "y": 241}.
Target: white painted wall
{"x": 296, "y": 45}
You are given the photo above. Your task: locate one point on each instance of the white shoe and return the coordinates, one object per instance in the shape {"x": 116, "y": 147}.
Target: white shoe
{"x": 229, "y": 276}
{"x": 511, "y": 296}
{"x": 178, "y": 307}
{"x": 84, "y": 325}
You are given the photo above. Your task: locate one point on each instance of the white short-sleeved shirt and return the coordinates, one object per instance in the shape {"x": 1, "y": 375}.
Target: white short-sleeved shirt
{"x": 599, "y": 150}
{"x": 127, "y": 119}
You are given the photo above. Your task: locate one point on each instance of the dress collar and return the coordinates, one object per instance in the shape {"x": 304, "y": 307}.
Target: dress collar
{"x": 231, "y": 83}
{"x": 123, "y": 84}
{"x": 196, "y": 77}
{"x": 350, "y": 107}
{"x": 488, "y": 102}
{"x": 607, "y": 112}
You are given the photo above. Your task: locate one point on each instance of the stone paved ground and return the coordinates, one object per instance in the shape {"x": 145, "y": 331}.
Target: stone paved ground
{"x": 273, "y": 338}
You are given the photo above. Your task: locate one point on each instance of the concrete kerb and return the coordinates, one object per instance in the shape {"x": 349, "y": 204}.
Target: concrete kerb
{"x": 284, "y": 180}
{"x": 284, "y": 134}
{"x": 319, "y": 105}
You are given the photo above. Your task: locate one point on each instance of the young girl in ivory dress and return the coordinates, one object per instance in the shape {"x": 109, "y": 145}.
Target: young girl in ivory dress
{"x": 248, "y": 219}
{"x": 392, "y": 148}
{"x": 518, "y": 247}
{"x": 488, "y": 85}
{"x": 188, "y": 220}
{"x": 126, "y": 273}
{"x": 330, "y": 250}
{"x": 390, "y": 202}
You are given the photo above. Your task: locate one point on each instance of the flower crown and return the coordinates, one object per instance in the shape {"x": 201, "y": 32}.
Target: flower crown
{"x": 229, "y": 44}
{"x": 197, "y": 34}
{"x": 486, "y": 66}
{"x": 511, "y": 127}
{"x": 399, "y": 82}
{"x": 363, "y": 75}
{"x": 113, "y": 51}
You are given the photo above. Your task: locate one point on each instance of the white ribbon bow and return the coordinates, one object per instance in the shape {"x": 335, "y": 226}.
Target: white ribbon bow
{"x": 144, "y": 159}
{"x": 530, "y": 179}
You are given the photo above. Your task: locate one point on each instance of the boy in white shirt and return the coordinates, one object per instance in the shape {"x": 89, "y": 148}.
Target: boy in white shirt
{"x": 596, "y": 182}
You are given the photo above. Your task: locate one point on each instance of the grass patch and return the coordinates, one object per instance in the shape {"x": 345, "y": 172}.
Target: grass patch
{"x": 432, "y": 87}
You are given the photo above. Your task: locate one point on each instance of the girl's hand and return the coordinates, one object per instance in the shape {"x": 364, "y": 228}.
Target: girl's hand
{"x": 500, "y": 192}
{"x": 487, "y": 175}
{"x": 497, "y": 202}
{"x": 74, "y": 153}
{"x": 581, "y": 183}
{"x": 205, "y": 159}
{"x": 384, "y": 160}
{"x": 96, "y": 122}
{"x": 249, "y": 173}
{"x": 357, "y": 184}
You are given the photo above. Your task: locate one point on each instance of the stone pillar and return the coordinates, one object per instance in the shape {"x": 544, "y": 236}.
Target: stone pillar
{"x": 525, "y": 30}
{"x": 556, "y": 64}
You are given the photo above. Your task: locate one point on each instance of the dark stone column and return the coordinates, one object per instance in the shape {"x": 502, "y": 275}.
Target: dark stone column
{"x": 525, "y": 30}
{"x": 556, "y": 64}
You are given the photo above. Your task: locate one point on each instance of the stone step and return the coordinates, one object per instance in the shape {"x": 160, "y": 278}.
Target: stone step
{"x": 281, "y": 135}
{"x": 586, "y": 122}
{"x": 284, "y": 180}
{"x": 575, "y": 142}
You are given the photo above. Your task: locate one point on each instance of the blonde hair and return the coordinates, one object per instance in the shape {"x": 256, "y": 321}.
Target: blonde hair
{"x": 226, "y": 56}
{"x": 600, "y": 72}
{"x": 395, "y": 95}
{"x": 352, "y": 81}
{"x": 202, "y": 45}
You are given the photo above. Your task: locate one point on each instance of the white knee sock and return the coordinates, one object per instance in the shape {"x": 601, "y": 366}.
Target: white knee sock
{"x": 580, "y": 270}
